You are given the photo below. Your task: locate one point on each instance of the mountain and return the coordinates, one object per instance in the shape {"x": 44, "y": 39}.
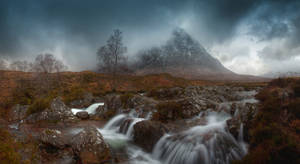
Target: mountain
{"x": 185, "y": 57}
{"x": 282, "y": 74}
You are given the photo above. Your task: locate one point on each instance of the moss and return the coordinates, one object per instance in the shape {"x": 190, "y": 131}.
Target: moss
{"x": 169, "y": 110}
{"x": 125, "y": 97}
{"x": 274, "y": 136}
{"x": 38, "y": 105}
{"x": 296, "y": 89}
{"x": 294, "y": 108}
{"x": 8, "y": 153}
{"x": 73, "y": 93}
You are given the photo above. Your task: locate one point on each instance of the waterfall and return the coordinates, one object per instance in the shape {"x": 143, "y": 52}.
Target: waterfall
{"x": 202, "y": 144}
{"x": 130, "y": 129}
{"x": 243, "y": 144}
{"x": 208, "y": 144}
{"x": 91, "y": 109}
{"x": 115, "y": 121}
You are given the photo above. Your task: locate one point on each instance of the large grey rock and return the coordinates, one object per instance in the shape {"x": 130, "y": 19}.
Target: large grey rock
{"x": 244, "y": 114}
{"x": 53, "y": 138}
{"x": 87, "y": 100}
{"x": 90, "y": 148}
{"x": 58, "y": 112}
{"x": 18, "y": 112}
{"x": 113, "y": 102}
{"x": 147, "y": 133}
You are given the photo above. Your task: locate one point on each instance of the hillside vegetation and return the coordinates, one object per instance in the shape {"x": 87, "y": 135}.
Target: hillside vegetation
{"x": 274, "y": 132}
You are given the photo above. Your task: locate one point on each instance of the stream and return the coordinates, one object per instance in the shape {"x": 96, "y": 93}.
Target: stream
{"x": 208, "y": 143}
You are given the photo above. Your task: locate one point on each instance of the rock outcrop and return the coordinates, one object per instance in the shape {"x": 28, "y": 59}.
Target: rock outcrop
{"x": 147, "y": 133}
{"x": 18, "y": 112}
{"x": 53, "y": 138}
{"x": 58, "y": 112}
{"x": 90, "y": 148}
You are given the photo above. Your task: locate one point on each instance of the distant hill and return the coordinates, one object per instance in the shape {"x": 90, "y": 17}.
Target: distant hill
{"x": 282, "y": 74}
{"x": 183, "y": 56}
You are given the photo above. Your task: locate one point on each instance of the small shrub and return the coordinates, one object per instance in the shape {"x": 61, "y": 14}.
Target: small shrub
{"x": 169, "y": 110}
{"x": 38, "y": 105}
{"x": 124, "y": 99}
{"x": 294, "y": 108}
{"x": 74, "y": 93}
{"x": 8, "y": 154}
{"x": 296, "y": 89}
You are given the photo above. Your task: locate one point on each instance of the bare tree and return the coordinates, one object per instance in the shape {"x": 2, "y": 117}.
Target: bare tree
{"x": 44, "y": 65}
{"x": 47, "y": 63}
{"x": 111, "y": 56}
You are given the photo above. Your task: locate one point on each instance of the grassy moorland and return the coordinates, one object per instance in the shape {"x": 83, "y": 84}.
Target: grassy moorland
{"x": 275, "y": 131}
{"x": 38, "y": 89}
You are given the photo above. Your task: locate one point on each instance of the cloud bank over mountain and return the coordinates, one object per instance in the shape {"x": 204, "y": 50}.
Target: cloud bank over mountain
{"x": 252, "y": 37}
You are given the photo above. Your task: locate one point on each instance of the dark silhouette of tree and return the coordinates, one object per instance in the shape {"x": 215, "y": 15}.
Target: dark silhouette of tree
{"x": 151, "y": 58}
{"x": 111, "y": 56}
{"x": 47, "y": 63}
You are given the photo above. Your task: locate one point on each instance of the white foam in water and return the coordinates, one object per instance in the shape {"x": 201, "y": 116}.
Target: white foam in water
{"x": 207, "y": 144}
{"x": 91, "y": 109}
{"x": 115, "y": 121}
{"x": 130, "y": 129}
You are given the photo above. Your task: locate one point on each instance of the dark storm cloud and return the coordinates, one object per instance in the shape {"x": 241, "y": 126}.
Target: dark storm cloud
{"x": 277, "y": 22}
{"x": 32, "y": 26}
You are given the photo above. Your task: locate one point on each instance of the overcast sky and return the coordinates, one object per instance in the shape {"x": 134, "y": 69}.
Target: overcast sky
{"x": 247, "y": 36}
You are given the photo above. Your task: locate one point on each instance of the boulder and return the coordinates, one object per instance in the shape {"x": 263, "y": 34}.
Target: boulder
{"x": 83, "y": 115}
{"x": 113, "y": 102}
{"x": 90, "y": 148}
{"x": 87, "y": 100}
{"x": 58, "y": 112}
{"x": 147, "y": 133}
{"x": 100, "y": 111}
{"x": 244, "y": 114}
{"x": 142, "y": 105}
{"x": 53, "y": 138}
{"x": 18, "y": 112}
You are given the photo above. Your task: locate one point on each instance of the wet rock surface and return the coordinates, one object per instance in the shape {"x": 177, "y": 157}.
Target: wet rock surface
{"x": 76, "y": 139}
{"x": 18, "y": 112}
{"x": 53, "y": 138}
{"x": 90, "y": 147}
{"x": 83, "y": 115}
{"x": 147, "y": 133}
{"x": 58, "y": 112}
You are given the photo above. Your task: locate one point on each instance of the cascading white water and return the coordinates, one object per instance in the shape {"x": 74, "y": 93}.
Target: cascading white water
{"x": 115, "y": 121}
{"x": 207, "y": 144}
{"x": 243, "y": 144}
{"x": 130, "y": 128}
{"x": 202, "y": 144}
{"x": 91, "y": 109}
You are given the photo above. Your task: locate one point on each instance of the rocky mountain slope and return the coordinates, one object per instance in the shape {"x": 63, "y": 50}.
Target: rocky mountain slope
{"x": 183, "y": 56}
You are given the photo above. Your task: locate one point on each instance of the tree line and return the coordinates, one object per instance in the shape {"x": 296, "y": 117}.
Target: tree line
{"x": 180, "y": 50}
{"x": 43, "y": 63}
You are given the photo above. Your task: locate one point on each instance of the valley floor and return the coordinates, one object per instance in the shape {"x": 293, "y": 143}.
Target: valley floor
{"x": 75, "y": 118}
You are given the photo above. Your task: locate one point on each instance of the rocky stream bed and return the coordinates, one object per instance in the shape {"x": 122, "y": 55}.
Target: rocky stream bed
{"x": 167, "y": 126}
